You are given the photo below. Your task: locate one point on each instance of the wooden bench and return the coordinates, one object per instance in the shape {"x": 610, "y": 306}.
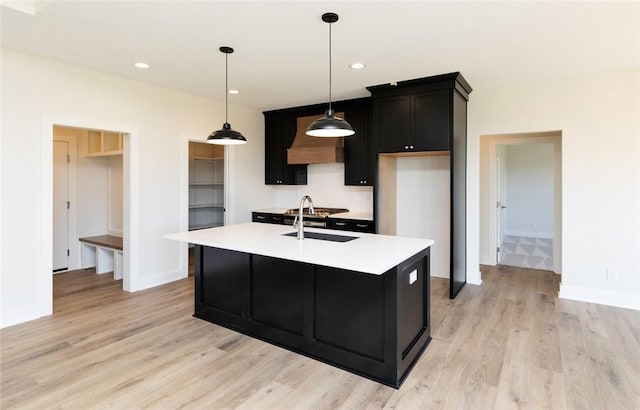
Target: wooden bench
{"x": 104, "y": 252}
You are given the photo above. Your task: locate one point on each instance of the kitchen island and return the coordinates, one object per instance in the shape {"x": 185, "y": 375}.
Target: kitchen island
{"x": 361, "y": 305}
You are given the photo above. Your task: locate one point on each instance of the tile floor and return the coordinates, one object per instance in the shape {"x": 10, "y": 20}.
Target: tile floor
{"x": 527, "y": 252}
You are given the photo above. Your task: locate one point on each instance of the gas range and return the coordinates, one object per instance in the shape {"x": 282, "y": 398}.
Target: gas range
{"x": 318, "y": 219}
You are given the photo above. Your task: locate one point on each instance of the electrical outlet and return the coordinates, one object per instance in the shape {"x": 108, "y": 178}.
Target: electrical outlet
{"x": 612, "y": 274}
{"x": 413, "y": 276}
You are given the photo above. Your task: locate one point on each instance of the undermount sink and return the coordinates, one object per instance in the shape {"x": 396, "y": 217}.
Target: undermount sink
{"x": 323, "y": 236}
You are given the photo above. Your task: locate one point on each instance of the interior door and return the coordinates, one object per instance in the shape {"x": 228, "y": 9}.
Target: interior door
{"x": 501, "y": 191}
{"x": 60, "y": 207}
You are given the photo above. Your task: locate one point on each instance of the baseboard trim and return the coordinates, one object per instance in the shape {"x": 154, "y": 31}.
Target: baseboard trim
{"x": 23, "y": 314}
{"x": 601, "y": 297}
{"x": 163, "y": 278}
{"x": 474, "y": 277}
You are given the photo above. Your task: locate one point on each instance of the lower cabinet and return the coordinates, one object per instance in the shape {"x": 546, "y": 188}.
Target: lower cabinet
{"x": 376, "y": 326}
{"x": 354, "y": 225}
{"x": 268, "y": 218}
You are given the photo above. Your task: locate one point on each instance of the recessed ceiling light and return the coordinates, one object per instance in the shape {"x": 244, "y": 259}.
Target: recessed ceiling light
{"x": 357, "y": 66}
{"x": 142, "y": 65}
{"x": 234, "y": 92}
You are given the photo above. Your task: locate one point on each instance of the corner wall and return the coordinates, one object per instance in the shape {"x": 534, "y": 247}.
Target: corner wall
{"x": 34, "y": 90}
{"x": 598, "y": 116}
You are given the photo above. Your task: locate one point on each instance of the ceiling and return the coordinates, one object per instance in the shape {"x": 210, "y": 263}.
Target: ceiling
{"x": 281, "y": 57}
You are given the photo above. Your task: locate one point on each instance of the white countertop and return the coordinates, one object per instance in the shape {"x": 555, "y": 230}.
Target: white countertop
{"x": 370, "y": 253}
{"x": 272, "y": 210}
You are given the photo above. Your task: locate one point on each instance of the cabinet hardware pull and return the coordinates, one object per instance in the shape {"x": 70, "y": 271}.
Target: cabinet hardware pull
{"x": 362, "y": 225}
{"x": 406, "y": 147}
{"x": 341, "y": 223}
{"x": 411, "y": 146}
{"x": 260, "y": 217}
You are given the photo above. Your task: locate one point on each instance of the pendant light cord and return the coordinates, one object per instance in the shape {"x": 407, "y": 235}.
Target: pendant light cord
{"x": 226, "y": 88}
{"x": 329, "y": 66}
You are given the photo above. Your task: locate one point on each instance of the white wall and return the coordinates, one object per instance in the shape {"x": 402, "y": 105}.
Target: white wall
{"x": 597, "y": 114}
{"x": 116, "y": 195}
{"x": 325, "y": 185}
{"x": 529, "y": 185}
{"x": 423, "y": 205}
{"x": 35, "y": 90}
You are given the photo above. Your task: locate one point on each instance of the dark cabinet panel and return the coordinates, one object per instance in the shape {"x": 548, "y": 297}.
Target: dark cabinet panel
{"x": 348, "y": 312}
{"x": 393, "y": 121}
{"x": 413, "y": 288}
{"x": 359, "y": 158}
{"x": 413, "y": 122}
{"x": 436, "y": 109}
{"x": 372, "y": 325}
{"x": 225, "y": 280}
{"x": 279, "y": 134}
{"x": 354, "y": 225}
{"x": 431, "y": 121}
{"x": 277, "y": 294}
{"x": 268, "y": 218}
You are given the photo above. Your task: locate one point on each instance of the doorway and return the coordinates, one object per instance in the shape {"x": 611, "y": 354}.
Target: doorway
{"x": 521, "y": 200}
{"x": 524, "y": 207}
{"x": 207, "y": 190}
{"x": 89, "y": 202}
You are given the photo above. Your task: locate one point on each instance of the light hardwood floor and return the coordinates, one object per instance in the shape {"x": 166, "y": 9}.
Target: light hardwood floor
{"x": 509, "y": 343}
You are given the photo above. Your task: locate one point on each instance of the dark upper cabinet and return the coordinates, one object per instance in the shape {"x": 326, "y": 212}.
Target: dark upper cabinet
{"x": 431, "y": 121}
{"x": 280, "y": 131}
{"x": 279, "y": 134}
{"x": 393, "y": 122}
{"x": 413, "y": 122}
{"x": 358, "y": 153}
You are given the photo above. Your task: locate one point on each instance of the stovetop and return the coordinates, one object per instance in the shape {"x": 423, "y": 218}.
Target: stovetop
{"x": 320, "y": 212}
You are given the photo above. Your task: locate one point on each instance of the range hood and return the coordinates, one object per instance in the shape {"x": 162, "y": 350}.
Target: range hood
{"x": 314, "y": 150}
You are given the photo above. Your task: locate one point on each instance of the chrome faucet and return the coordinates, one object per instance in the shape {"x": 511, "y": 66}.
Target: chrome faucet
{"x": 299, "y": 217}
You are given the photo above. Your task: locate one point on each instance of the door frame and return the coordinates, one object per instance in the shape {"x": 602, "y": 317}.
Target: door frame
{"x": 131, "y": 211}
{"x": 488, "y": 191}
{"x": 73, "y": 261}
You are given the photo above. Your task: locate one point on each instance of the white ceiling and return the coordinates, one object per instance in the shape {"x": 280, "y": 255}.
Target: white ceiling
{"x": 281, "y": 57}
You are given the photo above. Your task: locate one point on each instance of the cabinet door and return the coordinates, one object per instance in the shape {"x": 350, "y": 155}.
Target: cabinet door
{"x": 431, "y": 121}
{"x": 291, "y": 174}
{"x": 393, "y": 120}
{"x": 279, "y": 134}
{"x": 274, "y": 154}
{"x": 357, "y": 150}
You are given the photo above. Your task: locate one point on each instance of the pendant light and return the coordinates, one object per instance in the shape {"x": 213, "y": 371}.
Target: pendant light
{"x": 226, "y": 136}
{"x": 330, "y": 125}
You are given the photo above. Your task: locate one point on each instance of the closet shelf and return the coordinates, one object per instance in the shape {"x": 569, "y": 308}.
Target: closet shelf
{"x": 203, "y": 206}
{"x": 205, "y": 184}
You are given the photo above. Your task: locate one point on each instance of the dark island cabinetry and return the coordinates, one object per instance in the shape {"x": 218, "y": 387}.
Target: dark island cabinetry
{"x": 279, "y": 134}
{"x": 373, "y": 325}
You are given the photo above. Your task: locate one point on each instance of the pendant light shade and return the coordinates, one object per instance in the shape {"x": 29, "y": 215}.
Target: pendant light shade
{"x": 226, "y": 136}
{"x": 330, "y": 125}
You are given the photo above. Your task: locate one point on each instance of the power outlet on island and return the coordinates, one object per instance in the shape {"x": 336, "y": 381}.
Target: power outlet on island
{"x": 413, "y": 276}
{"x": 612, "y": 274}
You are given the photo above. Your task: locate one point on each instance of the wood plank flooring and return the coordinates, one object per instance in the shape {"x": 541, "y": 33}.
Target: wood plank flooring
{"x": 509, "y": 343}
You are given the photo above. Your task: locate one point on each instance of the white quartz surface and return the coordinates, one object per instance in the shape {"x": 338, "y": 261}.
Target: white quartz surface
{"x": 272, "y": 210}
{"x": 374, "y": 254}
